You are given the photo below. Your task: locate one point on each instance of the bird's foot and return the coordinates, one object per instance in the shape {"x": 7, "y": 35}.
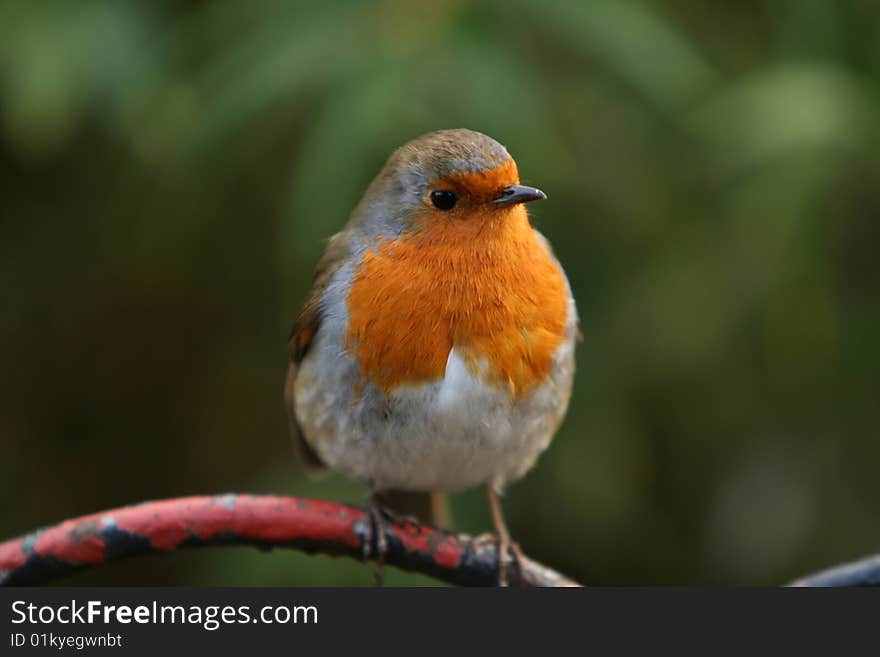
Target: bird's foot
{"x": 398, "y": 519}
{"x": 508, "y": 553}
{"x": 375, "y": 545}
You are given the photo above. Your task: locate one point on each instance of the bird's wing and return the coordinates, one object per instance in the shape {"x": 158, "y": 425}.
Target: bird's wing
{"x": 303, "y": 333}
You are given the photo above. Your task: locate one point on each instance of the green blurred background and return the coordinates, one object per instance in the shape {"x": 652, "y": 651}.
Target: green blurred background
{"x": 170, "y": 171}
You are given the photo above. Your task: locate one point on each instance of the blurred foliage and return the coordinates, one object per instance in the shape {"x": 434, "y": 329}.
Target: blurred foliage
{"x": 169, "y": 172}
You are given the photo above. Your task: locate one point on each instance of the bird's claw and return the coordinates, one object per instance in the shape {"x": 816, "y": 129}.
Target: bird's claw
{"x": 375, "y": 539}
{"x": 508, "y": 553}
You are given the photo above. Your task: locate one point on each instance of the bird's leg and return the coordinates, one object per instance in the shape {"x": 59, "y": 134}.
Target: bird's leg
{"x": 376, "y": 533}
{"x": 505, "y": 545}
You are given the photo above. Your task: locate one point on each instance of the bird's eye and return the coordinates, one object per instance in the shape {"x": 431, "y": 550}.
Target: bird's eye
{"x": 443, "y": 199}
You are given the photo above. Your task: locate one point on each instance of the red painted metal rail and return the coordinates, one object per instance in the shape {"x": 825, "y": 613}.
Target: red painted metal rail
{"x": 262, "y": 521}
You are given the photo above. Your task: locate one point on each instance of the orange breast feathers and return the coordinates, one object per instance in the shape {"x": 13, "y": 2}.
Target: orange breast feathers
{"x": 484, "y": 285}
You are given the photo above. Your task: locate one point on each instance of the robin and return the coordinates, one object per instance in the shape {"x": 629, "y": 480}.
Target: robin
{"x": 435, "y": 350}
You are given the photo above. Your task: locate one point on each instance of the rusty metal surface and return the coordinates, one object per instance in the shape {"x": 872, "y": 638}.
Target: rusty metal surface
{"x": 261, "y": 521}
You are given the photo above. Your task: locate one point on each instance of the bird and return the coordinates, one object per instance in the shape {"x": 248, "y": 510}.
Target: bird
{"x": 434, "y": 352}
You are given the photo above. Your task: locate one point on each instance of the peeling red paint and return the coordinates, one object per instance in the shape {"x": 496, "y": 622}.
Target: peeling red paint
{"x": 264, "y": 521}
{"x": 12, "y": 554}
{"x": 78, "y": 540}
{"x": 444, "y": 549}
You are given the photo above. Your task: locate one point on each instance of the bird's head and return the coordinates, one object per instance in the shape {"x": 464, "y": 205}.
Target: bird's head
{"x": 448, "y": 177}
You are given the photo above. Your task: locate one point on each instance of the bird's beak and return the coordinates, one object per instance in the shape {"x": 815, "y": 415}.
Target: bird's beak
{"x": 518, "y": 194}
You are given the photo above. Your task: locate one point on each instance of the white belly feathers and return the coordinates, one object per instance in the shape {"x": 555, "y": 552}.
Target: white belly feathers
{"x": 452, "y": 434}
